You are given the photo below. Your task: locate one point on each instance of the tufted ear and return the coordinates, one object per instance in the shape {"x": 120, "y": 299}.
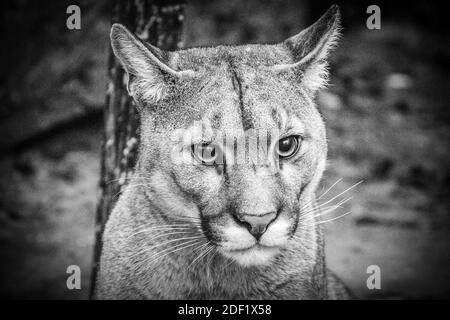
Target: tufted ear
{"x": 311, "y": 47}
{"x": 148, "y": 72}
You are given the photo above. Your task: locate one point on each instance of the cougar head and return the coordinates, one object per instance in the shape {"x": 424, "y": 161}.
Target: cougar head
{"x": 230, "y": 135}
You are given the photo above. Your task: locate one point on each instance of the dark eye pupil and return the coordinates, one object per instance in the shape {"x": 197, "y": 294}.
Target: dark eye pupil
{"x": 285, "y": 144}
{"x": 209, "y": 151}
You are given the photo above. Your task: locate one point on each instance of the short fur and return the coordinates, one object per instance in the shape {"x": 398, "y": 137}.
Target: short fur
{"x": 227, "y": 89}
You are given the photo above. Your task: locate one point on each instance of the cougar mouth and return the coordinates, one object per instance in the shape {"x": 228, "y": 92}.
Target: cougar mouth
{"x": 252, "y": 247}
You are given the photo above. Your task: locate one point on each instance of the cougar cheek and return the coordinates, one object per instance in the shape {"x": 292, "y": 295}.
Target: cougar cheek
{"x": 277, "y": 233}
{"x": 291, "y": 177}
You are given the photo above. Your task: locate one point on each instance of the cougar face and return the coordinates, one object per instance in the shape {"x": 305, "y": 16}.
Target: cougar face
{"x": 230, "y": 136}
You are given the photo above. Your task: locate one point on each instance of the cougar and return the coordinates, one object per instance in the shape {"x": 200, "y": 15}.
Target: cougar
{"x": 197, "y": 220}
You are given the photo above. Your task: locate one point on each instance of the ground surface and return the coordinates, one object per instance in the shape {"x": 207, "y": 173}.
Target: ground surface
{"x": 387, "y": 119}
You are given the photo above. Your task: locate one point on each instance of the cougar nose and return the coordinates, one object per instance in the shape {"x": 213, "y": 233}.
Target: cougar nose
{"x": 257, "y": 224}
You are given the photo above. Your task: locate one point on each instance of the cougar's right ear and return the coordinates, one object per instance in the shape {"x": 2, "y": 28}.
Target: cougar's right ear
{"x": 310, "y": 49}
{"x": 147, "y": 68}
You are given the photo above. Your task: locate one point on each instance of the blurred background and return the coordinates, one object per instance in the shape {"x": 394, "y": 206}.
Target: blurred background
{"x": 386, "y": 111}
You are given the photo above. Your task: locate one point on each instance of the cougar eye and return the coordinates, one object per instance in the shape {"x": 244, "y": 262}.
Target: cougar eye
{"x": 205, "y": 153}
{"x": 288, "y": 146}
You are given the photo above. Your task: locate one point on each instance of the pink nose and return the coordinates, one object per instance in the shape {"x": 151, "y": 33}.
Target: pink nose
{"x": 257, "y": 224}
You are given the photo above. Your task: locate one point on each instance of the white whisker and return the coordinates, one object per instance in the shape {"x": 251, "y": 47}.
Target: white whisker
{"x": 165, "y": 243}
{"x": 163, "y": 234}
{"x": 333, "y": 185}
{"x": 323, "y": 211}
{"x": 329, "y": 220}
{"x": 343, "y": 192}
{"x": 172, "y": 249}
{"x": 202, "y": 254}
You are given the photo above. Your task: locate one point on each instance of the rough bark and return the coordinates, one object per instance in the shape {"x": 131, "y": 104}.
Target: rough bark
{"x": 160, "y": 23}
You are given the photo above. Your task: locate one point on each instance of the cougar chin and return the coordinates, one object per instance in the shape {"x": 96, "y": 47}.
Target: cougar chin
{"x": 256, "y": 255}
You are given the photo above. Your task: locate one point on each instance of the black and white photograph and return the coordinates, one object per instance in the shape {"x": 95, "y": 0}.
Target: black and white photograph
{"x": 224, "y": 150}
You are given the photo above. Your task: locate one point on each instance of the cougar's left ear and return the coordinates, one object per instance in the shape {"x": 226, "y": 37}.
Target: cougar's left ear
{"x": 311, "y": 47}
{"x": 148, "y": 69}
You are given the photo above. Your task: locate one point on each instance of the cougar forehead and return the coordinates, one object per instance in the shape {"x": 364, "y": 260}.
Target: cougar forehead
{"x": 234, "y": 88}
{"x": 252, "y": 55}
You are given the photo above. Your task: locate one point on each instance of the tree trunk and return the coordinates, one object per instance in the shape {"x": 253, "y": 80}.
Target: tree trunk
{"x": 160, "y": 23}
